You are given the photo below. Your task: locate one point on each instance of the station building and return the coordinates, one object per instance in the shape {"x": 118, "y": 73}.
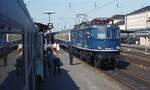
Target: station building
{"x": 119, "y": 20}
{"x": 138, "y": 22}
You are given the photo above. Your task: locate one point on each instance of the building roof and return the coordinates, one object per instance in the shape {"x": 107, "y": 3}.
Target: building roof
{"x": 147, "y": 8}
{"x": 120, "y": 23}
{"x": 42, "y": 27}
{"x": 118, "y": 17}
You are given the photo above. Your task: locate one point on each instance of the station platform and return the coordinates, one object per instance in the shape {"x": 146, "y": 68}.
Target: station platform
{"x": 79, "y": 76}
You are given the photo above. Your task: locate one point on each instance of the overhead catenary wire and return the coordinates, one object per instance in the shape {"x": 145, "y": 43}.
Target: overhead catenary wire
{"x": 70, "y": 5}
{"x": 95, "y": 4}
{"x": 98, "y": 7}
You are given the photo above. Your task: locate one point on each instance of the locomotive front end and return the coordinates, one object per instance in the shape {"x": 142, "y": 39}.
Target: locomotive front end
{"x": 106, "y": 44}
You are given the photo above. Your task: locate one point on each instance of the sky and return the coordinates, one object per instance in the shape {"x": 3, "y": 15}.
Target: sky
{"x": 66, "y": 10}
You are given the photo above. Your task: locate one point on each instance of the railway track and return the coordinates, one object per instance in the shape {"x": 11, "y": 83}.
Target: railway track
{"x": 134, "y": 82}
{"x": 133, "y": 55}
{"x": 136, "y": 47}
{"x": 143, "y": 61}
{"x": 125, "y": 78}
{"x": 146, "y": 55}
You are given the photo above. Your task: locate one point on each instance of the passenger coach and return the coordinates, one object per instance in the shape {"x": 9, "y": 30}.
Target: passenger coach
{"x": 62, "y": 37}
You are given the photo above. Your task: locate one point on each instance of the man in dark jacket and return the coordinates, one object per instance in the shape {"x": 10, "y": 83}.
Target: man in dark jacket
{"x": 20, "y": 65}
{"x": 56, "y": 60}
{"x": 5, "y": 52}
{"x": 20, "y": 68}
{"x": 71, "y": 55}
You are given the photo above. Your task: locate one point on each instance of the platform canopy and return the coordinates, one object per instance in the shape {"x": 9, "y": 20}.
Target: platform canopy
{"x": 42, "y": 27}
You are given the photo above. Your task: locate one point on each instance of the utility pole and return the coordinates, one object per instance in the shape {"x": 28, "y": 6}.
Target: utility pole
{"x": 50, "y": 25}
{"x": 49, "y": 14}
{"x": 126, "y": 22}
{"x": 126, "y": 28}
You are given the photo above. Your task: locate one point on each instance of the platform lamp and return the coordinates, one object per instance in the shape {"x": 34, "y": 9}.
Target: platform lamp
{"x": 49, "y": 16}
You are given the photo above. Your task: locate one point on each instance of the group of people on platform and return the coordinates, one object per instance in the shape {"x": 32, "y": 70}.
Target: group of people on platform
{"x": 51, "y": 57}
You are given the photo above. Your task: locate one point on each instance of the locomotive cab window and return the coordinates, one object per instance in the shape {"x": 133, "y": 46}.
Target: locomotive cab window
{"x": 98, "y": 33}
{"x": 112, "y": 33}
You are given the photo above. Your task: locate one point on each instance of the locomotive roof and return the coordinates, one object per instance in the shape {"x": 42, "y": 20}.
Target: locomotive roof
{"x": 95, "y": 26}
{"x": 96, "y": 21}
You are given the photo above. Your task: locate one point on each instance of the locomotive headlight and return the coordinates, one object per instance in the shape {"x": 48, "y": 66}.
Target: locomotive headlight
{"x": 99, "y": 47}
{"x": 118, "y": 47}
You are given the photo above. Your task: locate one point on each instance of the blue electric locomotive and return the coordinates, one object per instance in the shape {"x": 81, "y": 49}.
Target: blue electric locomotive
{"x": 96, "y": 42}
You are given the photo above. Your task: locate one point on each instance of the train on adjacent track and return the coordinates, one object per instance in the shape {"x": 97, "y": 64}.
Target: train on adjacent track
{"x": 97, "y": 41}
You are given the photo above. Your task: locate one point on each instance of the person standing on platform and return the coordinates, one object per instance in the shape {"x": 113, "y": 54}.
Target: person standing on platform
{"x": 71, "y": 55}
{"x": 20, "y": 62}
{"x": 49, "y": 58}
{"x": 56, "y": 59}
{"x": 5, "y": 52}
